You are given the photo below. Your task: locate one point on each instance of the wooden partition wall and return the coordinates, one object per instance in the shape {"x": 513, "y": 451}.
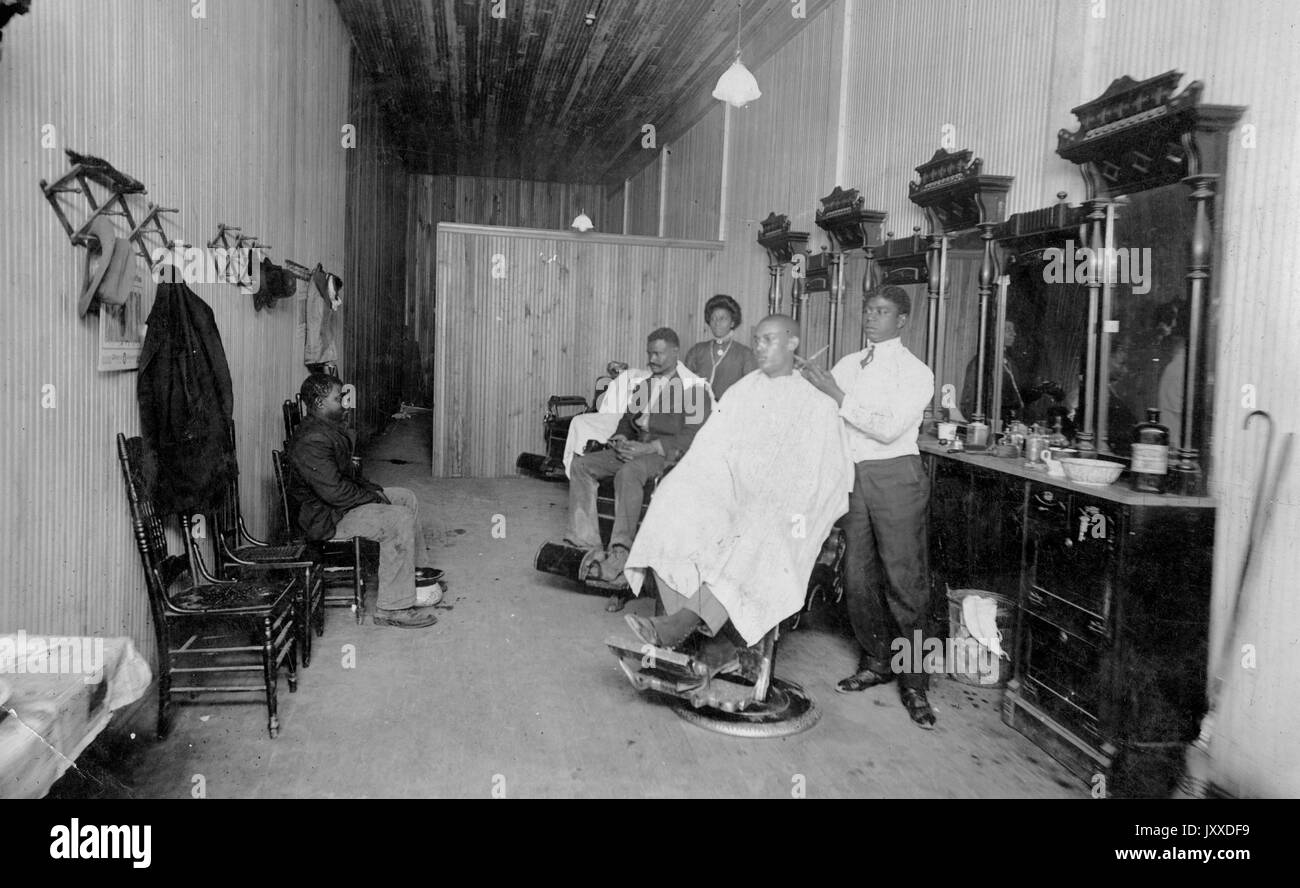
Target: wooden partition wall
{"x": 525, "y": 313}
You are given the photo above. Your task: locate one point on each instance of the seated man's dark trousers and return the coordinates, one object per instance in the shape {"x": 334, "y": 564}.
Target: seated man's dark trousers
{"x": 630, "y": 478}
{"x": 886, "y": 580}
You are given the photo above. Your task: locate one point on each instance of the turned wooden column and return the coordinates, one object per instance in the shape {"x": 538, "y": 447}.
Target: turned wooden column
{"x": 1096, "y": 225}
{"x": 773, "y": 289}
{"x": 1186, "y": 473}
{"x": 988, "y": 270}
{"x": 934, "y": 257}
{"x": 837, "y": 301}
{"x": 870, "y": 280}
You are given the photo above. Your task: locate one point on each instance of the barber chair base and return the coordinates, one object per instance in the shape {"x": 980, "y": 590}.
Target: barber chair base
{"x": 746, "y": 703}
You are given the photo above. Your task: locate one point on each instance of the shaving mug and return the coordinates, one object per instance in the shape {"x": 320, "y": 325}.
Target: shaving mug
{"x": 1051, "y": 459}
{"x": 947, "y": 432}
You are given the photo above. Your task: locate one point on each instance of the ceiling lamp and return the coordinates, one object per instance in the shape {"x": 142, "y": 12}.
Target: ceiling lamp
{"x": 737, "y": 86}
{"x": 582, "y": 222}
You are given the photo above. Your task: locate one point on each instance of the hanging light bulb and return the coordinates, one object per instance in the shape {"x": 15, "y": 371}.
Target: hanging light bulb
{"x": 582, "y": 222}
{"x": 737, "y": 86}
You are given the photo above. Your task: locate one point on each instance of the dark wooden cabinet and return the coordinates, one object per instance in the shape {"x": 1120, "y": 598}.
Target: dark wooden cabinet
{"x": 1113, "y": 590}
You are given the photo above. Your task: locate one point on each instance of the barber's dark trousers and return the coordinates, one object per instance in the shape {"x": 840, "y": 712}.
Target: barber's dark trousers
{"x": 886, "y": 580}
{"x": 630, "y": 477}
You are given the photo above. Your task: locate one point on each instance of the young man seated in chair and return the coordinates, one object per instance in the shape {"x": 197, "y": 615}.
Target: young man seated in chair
{"x": 733, "y": 533}
{"x": 337, "y": 501}
{"x": 664, "y": 412}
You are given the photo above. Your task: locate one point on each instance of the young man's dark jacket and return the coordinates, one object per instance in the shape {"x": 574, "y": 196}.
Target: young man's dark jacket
{"x": 324, "y": 482}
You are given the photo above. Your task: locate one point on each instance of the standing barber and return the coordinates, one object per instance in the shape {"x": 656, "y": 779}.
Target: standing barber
{"x": 882, "y": 391}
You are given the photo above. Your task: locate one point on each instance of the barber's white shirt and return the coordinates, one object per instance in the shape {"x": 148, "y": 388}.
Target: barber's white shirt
{"x": 884, "y": 402}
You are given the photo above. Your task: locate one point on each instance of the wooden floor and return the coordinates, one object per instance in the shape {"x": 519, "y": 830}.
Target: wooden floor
{"x": 513, "y": 692}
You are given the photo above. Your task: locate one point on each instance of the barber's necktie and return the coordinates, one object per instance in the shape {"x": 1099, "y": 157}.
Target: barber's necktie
{"x": 871, "y": 353}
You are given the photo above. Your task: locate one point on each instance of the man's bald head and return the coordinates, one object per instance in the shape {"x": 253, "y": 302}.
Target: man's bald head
{"x": 775, "y": 340}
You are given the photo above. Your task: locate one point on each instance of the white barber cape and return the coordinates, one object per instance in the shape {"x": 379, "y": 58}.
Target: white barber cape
{"x": 750, "y": 504}
{"x": 601, "y": 425}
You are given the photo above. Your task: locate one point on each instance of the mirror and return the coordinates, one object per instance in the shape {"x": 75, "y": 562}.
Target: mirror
{"x": 1149, "y": 301}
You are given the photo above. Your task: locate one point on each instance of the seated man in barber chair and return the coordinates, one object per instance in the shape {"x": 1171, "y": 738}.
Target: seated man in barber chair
{"x": 733, "y": 532}
{"x": 663, "y": 415}
{"x": 611, "y": 403}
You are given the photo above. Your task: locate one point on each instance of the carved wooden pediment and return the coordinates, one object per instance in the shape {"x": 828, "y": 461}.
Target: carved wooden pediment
{"x": 955, "y": 193}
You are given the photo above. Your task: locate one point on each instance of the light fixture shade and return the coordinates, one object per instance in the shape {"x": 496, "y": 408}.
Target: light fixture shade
{"x": 737, "y": 87}
{"x": 582, "y": 222}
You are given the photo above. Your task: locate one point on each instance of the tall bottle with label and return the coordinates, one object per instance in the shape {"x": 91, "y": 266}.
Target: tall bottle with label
{"x": 1149, "y": 466}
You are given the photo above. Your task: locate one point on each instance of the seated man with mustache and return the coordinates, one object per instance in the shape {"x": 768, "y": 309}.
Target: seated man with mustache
{"x": 663, "y": 415}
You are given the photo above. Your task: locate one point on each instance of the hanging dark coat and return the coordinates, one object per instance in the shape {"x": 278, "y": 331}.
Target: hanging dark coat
{"x": 186, "y": 403}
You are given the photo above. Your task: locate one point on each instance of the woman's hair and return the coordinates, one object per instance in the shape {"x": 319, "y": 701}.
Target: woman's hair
{"x": 318, "y": 386}
{"x": 723, "y": 301}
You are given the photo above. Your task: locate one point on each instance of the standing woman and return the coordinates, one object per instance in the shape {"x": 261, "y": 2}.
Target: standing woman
{"x": 721, "y": 360}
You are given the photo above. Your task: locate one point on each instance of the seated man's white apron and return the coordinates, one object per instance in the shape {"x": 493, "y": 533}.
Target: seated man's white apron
{"x": 602, "y": 424}
{"x": 748, "y": 507}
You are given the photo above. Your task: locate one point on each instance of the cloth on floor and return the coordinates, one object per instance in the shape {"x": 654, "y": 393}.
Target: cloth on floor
{"x": 748, "y": 507}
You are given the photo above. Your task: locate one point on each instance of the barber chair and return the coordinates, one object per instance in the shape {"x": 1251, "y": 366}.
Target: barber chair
{"x": 826, "y": 583}
{"x": 746, "y": 702}
{"x": 560, "y": 411}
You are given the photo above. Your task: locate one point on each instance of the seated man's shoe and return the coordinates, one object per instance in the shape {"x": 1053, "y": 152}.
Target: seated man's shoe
{"x": 610, "y": 570}
{"x": 918, "y": 707}
{"x": 427, "y": 576}
{"x": 861, "y": 680}
{"x": 409, "y": 618}
{"x": 428, "y": 596}
{"x": 667, "y": 631}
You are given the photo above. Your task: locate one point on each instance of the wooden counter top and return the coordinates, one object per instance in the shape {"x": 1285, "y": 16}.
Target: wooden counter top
{"x": 1119, "y": 492}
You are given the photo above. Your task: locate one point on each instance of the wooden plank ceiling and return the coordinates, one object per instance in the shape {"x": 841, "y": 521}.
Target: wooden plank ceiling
{"x": 542, "y": 94}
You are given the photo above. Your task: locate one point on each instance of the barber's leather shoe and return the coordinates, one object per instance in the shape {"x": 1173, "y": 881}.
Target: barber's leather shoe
{"x": 918, "y": 707}
{"x": 861, "y": 680}
{"x": 408, "y": 618}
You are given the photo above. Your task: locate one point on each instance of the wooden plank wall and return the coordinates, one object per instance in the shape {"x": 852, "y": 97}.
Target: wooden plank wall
{"x": 234, "y": 117}
{"x": 379, "y": 353}
{"x": 562, "y": 307}
{"x": 833, "y": 113}
{"x": 481, "y": 201}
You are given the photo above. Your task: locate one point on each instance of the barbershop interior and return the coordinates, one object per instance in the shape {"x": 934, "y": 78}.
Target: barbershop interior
{"x": 650, "y": 398}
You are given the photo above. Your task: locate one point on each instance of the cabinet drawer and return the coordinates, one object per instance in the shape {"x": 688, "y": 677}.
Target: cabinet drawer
{"x": 1074, "y": 543}
{"x": 1087, "y": 624}
{"x": 1065, "y": 666}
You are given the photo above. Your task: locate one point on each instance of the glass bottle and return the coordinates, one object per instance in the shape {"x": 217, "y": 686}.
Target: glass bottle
{"x": 1057, "y": 438}
{"x": 1149, "y": 463}
{"x": 1016, "y": 432}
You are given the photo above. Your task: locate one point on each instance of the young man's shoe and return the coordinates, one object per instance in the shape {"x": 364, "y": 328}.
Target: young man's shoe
{"x": 427, "y": 576}
{"x": 408, "y": 618}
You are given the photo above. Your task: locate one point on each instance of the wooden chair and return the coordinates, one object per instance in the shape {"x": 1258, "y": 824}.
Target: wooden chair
{"x": 340, "y": 557}
{"x": 200, "y": 619}
{"x": 240, "y": 555}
